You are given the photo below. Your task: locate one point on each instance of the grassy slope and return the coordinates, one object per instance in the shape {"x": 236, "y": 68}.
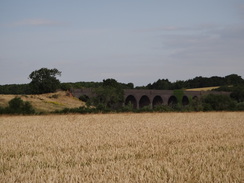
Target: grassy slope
{"x": 45, "y": 102}
{"x": 203, "y": 89}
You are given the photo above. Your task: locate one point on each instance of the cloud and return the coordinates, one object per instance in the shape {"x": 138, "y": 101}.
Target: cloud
{"x": 155, "y": 29}
{"x": 216, "y": 51}
{"x": 36, "y": 22}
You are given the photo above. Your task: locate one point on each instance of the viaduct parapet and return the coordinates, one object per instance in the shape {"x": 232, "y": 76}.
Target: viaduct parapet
{"x": 140, "y": 98}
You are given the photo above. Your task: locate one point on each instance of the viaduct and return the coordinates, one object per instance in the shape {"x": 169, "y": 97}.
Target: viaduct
{"x": 140, "y": 98}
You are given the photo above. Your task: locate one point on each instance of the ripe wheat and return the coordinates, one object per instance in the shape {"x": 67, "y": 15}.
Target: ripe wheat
{"x": 165, "y": 147}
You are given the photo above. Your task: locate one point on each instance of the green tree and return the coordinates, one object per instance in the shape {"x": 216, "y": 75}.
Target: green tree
{"x": 44, "y": 80}
{"x": 161, "y": 84}
{"x": 218, "y": 103}
{"x": 109, "y": 96}
{"x": 238, "y": 93}
{"x": 18, "y": 106}
{"x": 234, "y": 79}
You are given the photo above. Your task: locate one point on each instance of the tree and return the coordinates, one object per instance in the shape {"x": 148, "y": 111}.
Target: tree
{"x": 44, "y": 80}
{"x": 218, "y": 103}
{"x": 18, "y": 106}
{"x": 161, "y": 84}
{"x": 234, "y": 79}
{"x": 238, "y": 93}
{"x": 109, "y": 96}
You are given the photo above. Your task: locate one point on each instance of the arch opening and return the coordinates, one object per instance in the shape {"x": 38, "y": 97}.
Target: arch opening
{"x": 144, "y": 101}
{"x": 157, "y": 101}
{"x": 185, "y": 100}
{"x": 172, "y": 101}
{"x": 131, "y": 100}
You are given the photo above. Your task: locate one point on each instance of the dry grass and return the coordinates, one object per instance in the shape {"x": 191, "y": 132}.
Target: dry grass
{"x": 46, "y": 102}
{"x": 166, "y": 147}
{"x": 203, "y": 89}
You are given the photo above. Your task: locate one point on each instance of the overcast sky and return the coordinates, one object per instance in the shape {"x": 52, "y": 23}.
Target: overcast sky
{"x": 138, "y": 41}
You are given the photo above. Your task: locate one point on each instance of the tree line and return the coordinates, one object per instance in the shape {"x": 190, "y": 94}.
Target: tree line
{"x": 109, "y": 93}
{"x": 45, "y": 81}
{"x": 197, "y": 82}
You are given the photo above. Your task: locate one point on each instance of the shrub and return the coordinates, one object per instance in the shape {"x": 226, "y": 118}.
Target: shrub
{"x": 18, "y": 106}
{"x": 162, "y": 108}
{"x": 240, "y": 106}
{"x": 128, "y": 108}
{"x": 2, "y": 110}
{"x": 218, "y": 103}
{"x": 84, "y": 98}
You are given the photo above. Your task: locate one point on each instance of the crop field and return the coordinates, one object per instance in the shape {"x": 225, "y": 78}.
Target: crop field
{"x": 147, "y": 147}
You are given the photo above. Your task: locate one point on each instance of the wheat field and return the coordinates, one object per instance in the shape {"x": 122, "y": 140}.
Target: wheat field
{"x": 148, "y": 147}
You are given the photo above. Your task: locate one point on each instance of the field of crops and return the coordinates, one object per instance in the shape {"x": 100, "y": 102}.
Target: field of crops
{"x": 149, "y": 147}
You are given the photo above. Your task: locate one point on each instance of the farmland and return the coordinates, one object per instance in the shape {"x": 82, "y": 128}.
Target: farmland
{"x": 148, "y": 147}
{"x": 48, "y": 102}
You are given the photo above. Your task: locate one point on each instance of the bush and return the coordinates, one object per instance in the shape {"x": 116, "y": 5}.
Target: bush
{"x": 18, "y": 106}
{"x": 128, "y": 108}
{"x": 162, "y": 108}
{"x": 2, "y": 110}
{"x": 240, "y": 106}
{"x": 145, "y": 109}
{"x": 84, "y": 98}
{"x": 218, "y": 103}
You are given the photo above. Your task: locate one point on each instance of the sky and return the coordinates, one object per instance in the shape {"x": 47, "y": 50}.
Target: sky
{"x": 138, "y": 41}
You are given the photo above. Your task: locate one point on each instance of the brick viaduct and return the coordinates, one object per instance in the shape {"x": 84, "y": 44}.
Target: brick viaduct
{"x": 140, "y": 97}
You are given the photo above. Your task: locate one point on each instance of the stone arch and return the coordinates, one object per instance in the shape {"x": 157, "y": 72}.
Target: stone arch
{"x": 144, "y": 101}
{"x": 185, "y": 100}
{"x": 157, "y": 101}
{"x": 172, "y": 100}
{"x": 131, "y": 100}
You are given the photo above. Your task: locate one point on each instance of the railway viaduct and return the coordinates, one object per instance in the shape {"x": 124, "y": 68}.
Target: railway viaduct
{"x": 140, "y": 98}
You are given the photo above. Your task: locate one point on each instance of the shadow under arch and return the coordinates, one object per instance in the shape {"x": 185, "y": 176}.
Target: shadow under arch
{"x": 185, "y": 101}
{"x": 131, "y": 100}
{"x": 144, "y": 101}
{"x": 157, "y": 101}
{"x": 172, "y": 101}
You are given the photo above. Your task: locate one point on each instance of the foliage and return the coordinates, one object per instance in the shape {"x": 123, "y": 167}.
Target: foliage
{"x": 163, "y": 108}
{"x": 238, "y": 93}
{"x": 214, "y": 102}
{"x": 179, "y": 95}
{"x": 78, "y": 85}
{"x": 109, "y": 96}
{"x": 44, "y": 80}
{"x": 161, "y": 84}
{"x": 234, "y": 79}
{"x": 15, "y": 89}
{"x": 197, "y": 82}
{"x": 84, "y": 98}
{"x": 240, "y": 106}
{"x": 196, "y": 105}
{"x": 128, "y": 108}
{"x": 18, "y": 106}
{"x": 165, "y": 84}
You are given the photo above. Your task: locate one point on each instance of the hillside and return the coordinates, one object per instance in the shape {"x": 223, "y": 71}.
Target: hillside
{"x": 203, "y": 89}
{"x": 46, "y": 102}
